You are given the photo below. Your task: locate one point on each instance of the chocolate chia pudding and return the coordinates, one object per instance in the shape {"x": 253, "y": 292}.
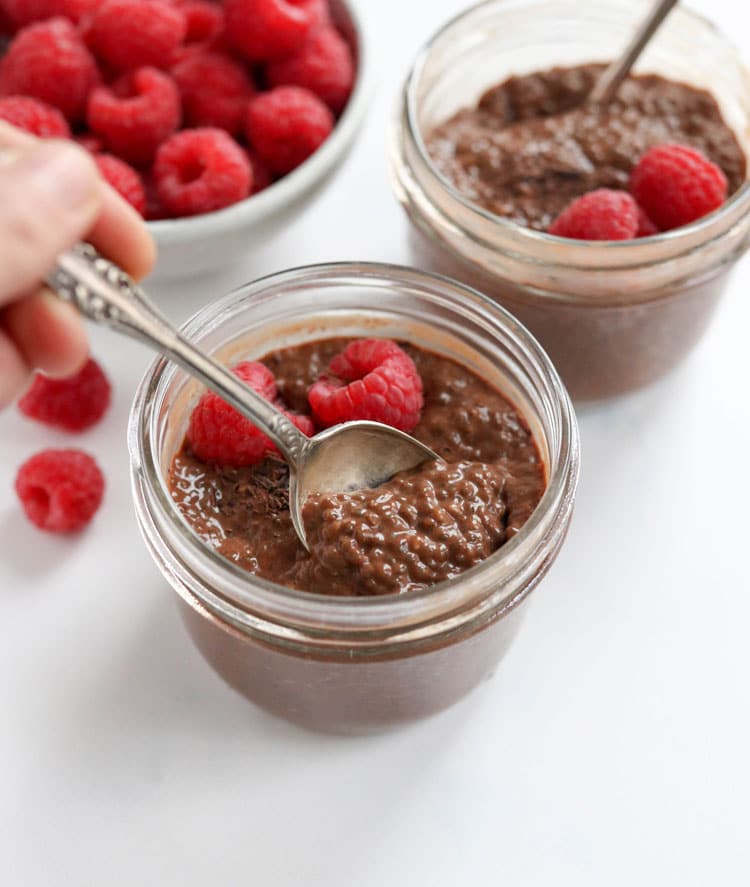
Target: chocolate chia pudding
{"x": 481, "y": 178}
{"x": 532, "y": 144}
{"x": 424, "y": 526}
{"x": 371, "y": 659}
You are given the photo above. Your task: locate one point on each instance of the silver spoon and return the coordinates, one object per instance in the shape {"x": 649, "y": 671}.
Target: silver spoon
{"x": 352, "y": 456}
{"x": 605, "y": 88}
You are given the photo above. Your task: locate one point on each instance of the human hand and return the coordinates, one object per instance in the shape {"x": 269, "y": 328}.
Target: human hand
{"x": 51, "y": 196}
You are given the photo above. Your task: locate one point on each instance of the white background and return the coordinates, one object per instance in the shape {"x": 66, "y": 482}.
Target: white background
{"x": 611, "y": 748}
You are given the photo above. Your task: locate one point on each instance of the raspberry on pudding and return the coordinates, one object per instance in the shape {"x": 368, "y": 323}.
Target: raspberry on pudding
{"x": 422, "y": 527}
{"x": 217, "y": 433}
{"x": 675, "y": 185}
{"x": 370, "y": 379}
{"x": 671, "y": 186}
{"x": 603, "y": 214}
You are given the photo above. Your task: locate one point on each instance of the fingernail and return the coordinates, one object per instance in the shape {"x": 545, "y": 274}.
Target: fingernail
{"x": 64, "y": 173}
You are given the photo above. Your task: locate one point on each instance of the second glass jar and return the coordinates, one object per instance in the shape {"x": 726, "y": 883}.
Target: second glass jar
{"x": 613, "y": 316}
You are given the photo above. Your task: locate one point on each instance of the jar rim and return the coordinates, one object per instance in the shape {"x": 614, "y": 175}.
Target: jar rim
{"x": 736, "y": 206}
{"x": 251, "y": 593}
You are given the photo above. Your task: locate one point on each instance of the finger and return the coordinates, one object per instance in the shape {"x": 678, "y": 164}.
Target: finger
{"x": 47, "y": 333}
{"x": 15, "y": 372}
{"x": 119, "y": 232}
{"x": 52, "y": 195}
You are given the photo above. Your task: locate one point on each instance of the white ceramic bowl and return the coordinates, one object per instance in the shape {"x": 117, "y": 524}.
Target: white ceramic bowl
{"x": 199, "y": 244}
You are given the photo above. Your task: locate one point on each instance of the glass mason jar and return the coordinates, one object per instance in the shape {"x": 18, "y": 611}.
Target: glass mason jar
{"x": 354, "y": 664}
{"x": 613, "y": 316}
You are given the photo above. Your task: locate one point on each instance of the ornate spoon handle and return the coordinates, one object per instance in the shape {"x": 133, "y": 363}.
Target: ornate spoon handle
{"x": 104, "y": 293}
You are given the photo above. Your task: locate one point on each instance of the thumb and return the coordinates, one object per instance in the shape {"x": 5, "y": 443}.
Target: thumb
{"x": 51, "y": 195}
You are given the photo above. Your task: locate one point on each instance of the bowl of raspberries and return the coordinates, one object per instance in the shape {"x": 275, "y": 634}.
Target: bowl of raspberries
{"x": 215, "y": 119}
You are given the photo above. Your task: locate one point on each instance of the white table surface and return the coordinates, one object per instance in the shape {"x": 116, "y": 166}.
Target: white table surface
{"x": 611, "y": 748}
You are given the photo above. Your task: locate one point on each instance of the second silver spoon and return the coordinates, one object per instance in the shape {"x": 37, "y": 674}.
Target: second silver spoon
{"x": 611, "y": 79}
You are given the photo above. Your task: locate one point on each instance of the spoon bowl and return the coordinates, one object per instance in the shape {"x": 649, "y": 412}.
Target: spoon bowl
{"x": 352, "y": 456}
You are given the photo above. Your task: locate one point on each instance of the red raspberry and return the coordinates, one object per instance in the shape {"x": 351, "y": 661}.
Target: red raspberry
{"x": 324, "y": 65}
{"x": 24, "y": 12}
{"x": 646, "y": 227}
{"x": 371, "y": 379}
{"x": 49, "y": 61}
{"x": 204, "y": 21}
{"x": 60, "y": 490}
{"x": 599, "y": 215}
{"x": 267, "y": 29}
{"x": 130, "y": 34}
{"x": 218, "y": 433}
{"x": 6, "y": 25}
{"x": 201, "y": 170}
{"x": 676, "y": 185}
{"x": 124, "y": 179}
{"x": 262, "y": 177}
{"x": 286, "y": 125}
{"x": 134, "y": 115}
{"x": 73, "y": 404}
{"x": 215, "y": 90}
{"x": 35, "y": 117}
